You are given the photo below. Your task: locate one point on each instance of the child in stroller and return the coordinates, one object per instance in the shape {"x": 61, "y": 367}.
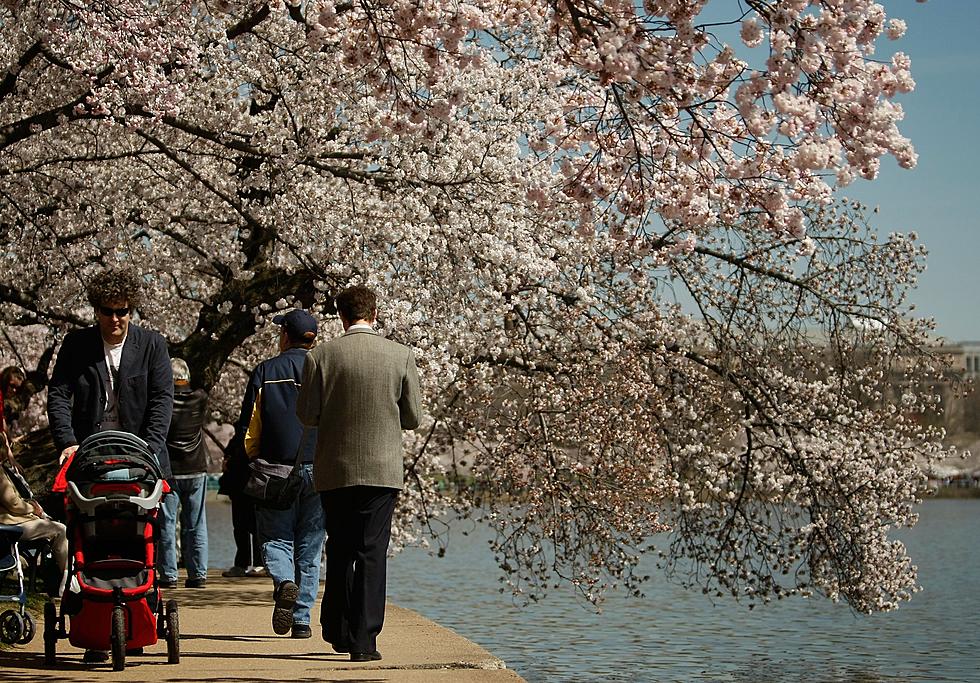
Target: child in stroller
{"x": 113, "y": 602}
{"x": 27, "y": 535}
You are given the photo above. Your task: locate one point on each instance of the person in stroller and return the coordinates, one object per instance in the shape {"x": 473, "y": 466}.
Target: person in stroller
{"x": 25, "y": 512}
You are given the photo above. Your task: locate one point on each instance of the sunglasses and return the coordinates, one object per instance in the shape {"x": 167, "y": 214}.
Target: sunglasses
{"x": 118, "y": 312}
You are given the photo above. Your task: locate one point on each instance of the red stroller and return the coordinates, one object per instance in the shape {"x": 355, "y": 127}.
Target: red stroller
{"x": 113, "y": 601}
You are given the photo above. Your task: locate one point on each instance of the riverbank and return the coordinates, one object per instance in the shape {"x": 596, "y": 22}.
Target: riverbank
{"x": 955, "y": 492}
{"x": 226, "y": 635}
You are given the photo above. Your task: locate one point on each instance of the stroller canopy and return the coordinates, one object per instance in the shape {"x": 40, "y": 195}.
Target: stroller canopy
{"x": 123, "y": 454}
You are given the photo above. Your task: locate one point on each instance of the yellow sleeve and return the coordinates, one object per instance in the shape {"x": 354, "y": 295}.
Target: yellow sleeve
{"x": 253, "y": 436}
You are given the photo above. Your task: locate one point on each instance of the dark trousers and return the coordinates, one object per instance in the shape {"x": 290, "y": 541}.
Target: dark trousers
{"x": 358, "y": 522}
{"x": 247, "y": 550}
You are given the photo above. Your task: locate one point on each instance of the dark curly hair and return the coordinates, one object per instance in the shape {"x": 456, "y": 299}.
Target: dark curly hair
{"x": 114, "y": 284}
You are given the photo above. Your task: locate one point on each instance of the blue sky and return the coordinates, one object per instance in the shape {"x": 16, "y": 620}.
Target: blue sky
{"x": 938, "y": 199}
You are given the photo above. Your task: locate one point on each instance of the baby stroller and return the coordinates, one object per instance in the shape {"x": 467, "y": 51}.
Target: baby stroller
{"x": 16, "y": 625}
{"x": 113, "y": 600}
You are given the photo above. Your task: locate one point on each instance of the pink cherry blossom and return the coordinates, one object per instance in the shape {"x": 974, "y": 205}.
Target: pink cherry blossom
{"x": 532, "y": 187}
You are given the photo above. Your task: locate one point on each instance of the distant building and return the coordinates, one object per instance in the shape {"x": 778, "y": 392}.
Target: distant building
{"x": 963, "y": 358}
{"x": 969, "y": 358}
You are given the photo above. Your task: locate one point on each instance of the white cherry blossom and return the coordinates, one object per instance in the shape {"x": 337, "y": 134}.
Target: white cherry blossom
{"x": 609, "y": 231}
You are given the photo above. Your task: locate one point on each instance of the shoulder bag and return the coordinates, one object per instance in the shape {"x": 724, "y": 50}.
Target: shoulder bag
{"x": 275, "y": 485}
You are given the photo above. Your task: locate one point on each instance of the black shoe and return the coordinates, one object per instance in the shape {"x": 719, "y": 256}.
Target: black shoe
{"x": 167, "y": 583}
{"x": 365, "y": 656}
{"x": 197, "y": 582}
{"x": 342, "y": 648}
{"x": 282, "y": 614}
{"x": 95, "y": 657}
{"x": 339, "y": 647}
{"x": 301, "y": 631}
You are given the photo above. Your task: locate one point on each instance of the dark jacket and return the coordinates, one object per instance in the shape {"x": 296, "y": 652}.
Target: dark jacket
{"x": 76, "y": 393}
{"x": 185, "y": 441}
{"x": 235, "y": 470}
{"x": 270, "y": 405}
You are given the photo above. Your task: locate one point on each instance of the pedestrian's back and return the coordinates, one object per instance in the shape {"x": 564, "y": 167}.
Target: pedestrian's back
{"x": 365, "y": 395}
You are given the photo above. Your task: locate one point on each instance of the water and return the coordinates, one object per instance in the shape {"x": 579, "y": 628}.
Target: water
{"x": 677, "y": 635}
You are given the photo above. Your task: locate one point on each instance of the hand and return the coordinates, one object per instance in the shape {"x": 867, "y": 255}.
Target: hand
{"x": 65, "y": 454}
{"x": 38, "y": 510}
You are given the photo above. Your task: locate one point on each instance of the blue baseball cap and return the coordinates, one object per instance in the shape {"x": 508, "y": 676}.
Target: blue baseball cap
{"x": 298, "y": 324}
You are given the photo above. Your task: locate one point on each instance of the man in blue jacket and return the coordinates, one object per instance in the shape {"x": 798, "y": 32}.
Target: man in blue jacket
{"x": 113, "y": 375}
{"x": 291, "y": 540}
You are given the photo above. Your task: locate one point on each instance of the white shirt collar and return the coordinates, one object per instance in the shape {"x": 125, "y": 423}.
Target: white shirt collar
{"x": 360, "y": 326}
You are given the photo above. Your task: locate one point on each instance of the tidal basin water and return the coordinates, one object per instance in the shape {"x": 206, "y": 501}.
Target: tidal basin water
{"x": 677, "y": 635}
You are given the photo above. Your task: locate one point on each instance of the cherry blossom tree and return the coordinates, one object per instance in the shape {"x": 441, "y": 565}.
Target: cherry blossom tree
{"x": 612, "y": 232}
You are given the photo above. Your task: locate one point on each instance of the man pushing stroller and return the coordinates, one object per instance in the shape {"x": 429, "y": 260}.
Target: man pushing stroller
{"x": 113, "y": 375}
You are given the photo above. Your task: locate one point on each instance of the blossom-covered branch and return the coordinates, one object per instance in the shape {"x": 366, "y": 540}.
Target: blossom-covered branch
{"x": 611, "y": 231}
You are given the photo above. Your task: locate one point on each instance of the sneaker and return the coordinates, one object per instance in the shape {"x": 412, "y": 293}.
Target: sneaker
{"x": 257, "y": 570}
{"x": 167, "y": 583}
{"x": 196, "y": 582}
{"x": 302, "y": 631}
{"x": 282, "y": 614}
{"x": 234, "y": 572}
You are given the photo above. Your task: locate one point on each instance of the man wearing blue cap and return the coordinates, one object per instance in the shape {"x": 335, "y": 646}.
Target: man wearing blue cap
{"x": 292, "y": 539}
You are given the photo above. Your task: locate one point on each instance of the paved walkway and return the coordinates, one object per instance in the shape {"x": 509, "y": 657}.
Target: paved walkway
{"x": 226, "y": 635}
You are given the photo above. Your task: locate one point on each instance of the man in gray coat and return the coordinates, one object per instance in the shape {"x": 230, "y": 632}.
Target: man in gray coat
{"x": 360, "y": 390}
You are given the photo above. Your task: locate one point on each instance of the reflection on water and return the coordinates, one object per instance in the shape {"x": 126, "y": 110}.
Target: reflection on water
{"x": 677, "y": 635}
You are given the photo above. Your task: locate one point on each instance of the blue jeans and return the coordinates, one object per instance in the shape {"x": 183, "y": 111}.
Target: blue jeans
{"x": 292, "y": 544}
{"x": 189, "y": 493}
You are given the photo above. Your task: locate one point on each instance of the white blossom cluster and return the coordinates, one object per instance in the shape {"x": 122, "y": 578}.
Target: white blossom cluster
{"x": 608, "y": 230}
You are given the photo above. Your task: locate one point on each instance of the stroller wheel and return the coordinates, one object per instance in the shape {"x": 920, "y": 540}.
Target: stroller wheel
{"x": 11, "y": 626}
{"x": 173, "y": 633}
{"x": 50, "y": 632}
{"x": 118, "y": 638}
{"x": 30, "y": 628}
{"x": 161, "y": 621}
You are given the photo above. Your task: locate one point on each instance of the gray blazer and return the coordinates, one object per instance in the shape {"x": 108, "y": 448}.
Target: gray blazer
{"x": 360, "y": 390}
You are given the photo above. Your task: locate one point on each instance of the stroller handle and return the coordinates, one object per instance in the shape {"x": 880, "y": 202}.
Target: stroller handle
{"x": 88, "y": 505}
